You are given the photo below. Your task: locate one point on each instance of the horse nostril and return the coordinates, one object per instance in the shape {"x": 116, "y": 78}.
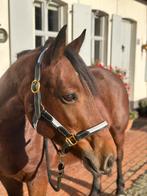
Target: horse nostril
{"x": 108, "y": 163}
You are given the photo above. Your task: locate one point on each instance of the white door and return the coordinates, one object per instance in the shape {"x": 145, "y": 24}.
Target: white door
{"x": 116, "y": 41}
{"x": 126, "y": 45}
{"x": 123, "y": 48}
{"x": 128, "y": 29}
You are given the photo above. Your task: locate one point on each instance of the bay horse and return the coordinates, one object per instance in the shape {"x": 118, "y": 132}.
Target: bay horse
{"x": 77, "y": 96}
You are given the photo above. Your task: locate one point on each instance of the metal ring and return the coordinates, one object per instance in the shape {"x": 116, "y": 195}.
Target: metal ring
{"x": 71, "y": 140}
{"x": 35, "y": 86}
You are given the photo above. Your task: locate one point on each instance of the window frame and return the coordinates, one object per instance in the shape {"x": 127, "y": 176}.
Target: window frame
{"x": 62, "y": 9}
{"x": 101, "y": 38}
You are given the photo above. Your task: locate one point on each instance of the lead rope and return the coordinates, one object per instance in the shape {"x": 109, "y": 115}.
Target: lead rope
{"x": 56, "y": 187}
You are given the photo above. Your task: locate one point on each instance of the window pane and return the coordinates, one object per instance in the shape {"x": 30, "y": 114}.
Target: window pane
{"x": 98, "y": 26}
{"x": 38, "y": 18}
{"x": 38, "y": 41}
{"x": 97, "y": 55}
{"x": 53, "y": 19}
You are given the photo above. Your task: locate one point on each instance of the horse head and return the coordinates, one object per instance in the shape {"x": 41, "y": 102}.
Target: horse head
{"x": 68, "y": 91}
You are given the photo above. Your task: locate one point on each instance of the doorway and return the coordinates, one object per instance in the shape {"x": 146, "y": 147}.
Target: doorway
{"x": 128, "y": 49}
{"x": 123, "y": 48}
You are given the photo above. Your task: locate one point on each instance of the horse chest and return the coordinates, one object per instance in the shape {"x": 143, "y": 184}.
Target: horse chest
{"x": 20, "y": 151}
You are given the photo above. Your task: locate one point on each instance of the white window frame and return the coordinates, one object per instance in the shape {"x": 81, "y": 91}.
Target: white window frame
{"x": 45, "y": 4}
{"x": 103, "y": 38}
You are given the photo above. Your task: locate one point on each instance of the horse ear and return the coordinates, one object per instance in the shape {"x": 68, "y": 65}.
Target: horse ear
{"x": 77, "y": 43}
{"x": 48, "y": 42}
{"x": 56, "y": 49}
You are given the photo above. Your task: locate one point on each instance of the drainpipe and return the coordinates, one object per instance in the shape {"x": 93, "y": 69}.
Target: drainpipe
{"x": 9, "y": 30}
{"x": 146, "y": 22}
{"x": 146, "y": 55}
{"x": 146, "y": 30}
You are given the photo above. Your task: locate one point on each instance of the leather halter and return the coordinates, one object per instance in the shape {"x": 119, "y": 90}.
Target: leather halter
{"x": 41, "y": 112}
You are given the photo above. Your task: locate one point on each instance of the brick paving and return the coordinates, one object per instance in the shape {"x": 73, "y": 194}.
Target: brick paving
{"x": 77, "y": 180}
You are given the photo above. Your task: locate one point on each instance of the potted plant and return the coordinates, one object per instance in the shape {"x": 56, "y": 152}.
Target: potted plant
{"x": 132, "y": 116}
{"x": 143, "y": 107}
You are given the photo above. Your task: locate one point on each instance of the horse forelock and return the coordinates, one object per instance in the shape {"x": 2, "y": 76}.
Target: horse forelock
{"x": 81, "y": 68}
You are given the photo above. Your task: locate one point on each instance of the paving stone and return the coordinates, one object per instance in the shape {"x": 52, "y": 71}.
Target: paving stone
{"x": 77, "y": 181}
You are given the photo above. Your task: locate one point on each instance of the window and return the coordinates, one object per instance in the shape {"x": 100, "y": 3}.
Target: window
{"x": 49, "y": 18}
{"x": 99, "y": 36}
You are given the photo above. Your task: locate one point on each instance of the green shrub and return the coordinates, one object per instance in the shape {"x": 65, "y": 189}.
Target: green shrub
{"x": 133, "y": 115}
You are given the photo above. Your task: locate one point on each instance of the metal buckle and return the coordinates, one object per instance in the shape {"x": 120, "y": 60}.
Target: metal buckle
{"x": 71, "y": 140}
{"x": 35, "y": 86}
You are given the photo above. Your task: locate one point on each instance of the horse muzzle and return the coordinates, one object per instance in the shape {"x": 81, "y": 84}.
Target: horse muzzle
{"x": 95, "y": 167}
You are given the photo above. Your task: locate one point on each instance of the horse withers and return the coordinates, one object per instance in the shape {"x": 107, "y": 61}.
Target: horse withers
{"x": 77, "y": 97}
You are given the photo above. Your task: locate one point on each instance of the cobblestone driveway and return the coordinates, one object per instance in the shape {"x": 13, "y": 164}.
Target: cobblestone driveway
{"x": 77, "y": 181}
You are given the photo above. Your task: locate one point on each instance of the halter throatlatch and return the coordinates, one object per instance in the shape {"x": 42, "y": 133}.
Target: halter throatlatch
{"x": 40, "y": 112}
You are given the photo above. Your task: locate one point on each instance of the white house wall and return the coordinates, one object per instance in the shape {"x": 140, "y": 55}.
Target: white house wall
{"x": 4, "y": 47}
{"x": 135, "y": 11}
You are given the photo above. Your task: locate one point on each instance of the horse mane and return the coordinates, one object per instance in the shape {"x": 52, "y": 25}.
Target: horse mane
{"x": 81, "y": 68}
{"x": 22, "y": 53}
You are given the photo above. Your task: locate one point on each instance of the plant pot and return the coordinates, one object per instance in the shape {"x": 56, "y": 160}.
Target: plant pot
{"x": 129, "y": 126}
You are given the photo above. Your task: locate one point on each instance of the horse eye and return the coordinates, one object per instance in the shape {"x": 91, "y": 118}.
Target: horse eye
{"x": 69, "y": 98}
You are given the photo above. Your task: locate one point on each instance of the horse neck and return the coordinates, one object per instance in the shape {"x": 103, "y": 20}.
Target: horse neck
{"x": 13, "y": 78}
{"x": 12, "y": 110}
